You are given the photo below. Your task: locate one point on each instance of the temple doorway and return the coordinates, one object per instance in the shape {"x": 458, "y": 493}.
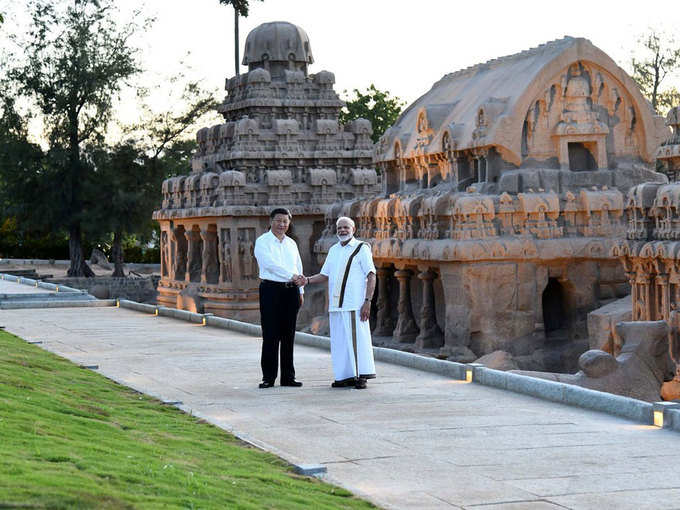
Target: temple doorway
{"x": 555, "y": 313}
{"x": 580, "y": 158}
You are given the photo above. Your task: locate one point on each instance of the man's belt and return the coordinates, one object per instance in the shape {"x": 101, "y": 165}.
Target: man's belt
{"x": 287, "y": 285}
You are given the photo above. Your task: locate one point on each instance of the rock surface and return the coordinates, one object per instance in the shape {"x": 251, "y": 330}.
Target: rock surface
{"x": 498, "y": 360}
{"x": 638, "y": 371}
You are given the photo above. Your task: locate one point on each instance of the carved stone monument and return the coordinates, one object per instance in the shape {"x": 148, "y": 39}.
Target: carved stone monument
{"x": 502, "y": 195}
{"x": 280, "y": 145}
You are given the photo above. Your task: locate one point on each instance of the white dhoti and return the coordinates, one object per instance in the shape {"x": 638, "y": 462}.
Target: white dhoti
{"x": 351, "y": 349}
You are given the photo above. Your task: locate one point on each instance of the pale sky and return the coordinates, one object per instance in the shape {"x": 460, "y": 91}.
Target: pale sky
{"x": 401, "y": 46}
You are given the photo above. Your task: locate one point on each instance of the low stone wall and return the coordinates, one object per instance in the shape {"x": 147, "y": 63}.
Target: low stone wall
{"x": 132, "y": 266}
{"x": 142, "y": 290}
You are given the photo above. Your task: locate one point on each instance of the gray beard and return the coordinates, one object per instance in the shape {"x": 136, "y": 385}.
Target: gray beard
{"x": 344, "y": 238}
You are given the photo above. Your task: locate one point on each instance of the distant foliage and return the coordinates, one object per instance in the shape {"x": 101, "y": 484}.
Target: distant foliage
{"x": 240, "y": 6}
{"x": 378, "y": 106}
{"x": 658, "y": 58}
{"x": 76, "y": 57}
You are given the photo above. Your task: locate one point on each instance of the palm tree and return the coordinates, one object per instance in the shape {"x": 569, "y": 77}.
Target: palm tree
{"x": 240, "y": 9}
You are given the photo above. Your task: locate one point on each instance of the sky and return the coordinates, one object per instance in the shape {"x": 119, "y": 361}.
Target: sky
{"x": 400, "y": 46}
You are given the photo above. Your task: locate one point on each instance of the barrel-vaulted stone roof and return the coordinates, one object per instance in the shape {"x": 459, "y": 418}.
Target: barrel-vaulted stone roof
{"x": 486, "y": 104}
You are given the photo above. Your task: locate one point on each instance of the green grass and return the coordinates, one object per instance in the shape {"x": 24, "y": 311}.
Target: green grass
{"x": 70, "y": 438}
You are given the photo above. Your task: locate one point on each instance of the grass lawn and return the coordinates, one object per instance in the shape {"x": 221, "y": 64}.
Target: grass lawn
{"x": 70, "y": 438}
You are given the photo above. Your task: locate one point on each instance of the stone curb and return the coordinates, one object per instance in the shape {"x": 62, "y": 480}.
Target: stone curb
{"x": 40, "y": 284}
{"x": 67, "y": 263}
{"x": 625, "y": 407}
{"x": 36, "y": 262}
{"x": 57, "y": 303}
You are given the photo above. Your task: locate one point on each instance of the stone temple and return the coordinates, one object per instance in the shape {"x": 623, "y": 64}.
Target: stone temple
{"x": 498, "y": 201}
{"x": 280, "y": 145}
{"x": 503, "y": 194}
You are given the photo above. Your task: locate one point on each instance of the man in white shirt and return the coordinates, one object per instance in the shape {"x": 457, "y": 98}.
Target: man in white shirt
{"x": 279, "y": 262}
{"x": 350, "y": 273}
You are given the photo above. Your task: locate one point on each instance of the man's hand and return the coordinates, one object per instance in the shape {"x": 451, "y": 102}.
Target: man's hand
{"x": 302, "y": 300}
{"x": 298, "y": 280}
{"x": 365, "y": 311}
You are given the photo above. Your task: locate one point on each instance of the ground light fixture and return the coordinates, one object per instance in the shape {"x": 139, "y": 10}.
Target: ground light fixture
{"x": 470, "y": 369}
{"x": 660, "y": 411}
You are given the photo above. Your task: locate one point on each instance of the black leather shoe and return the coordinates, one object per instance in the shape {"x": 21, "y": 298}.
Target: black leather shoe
{"x": 345, "y": 383}
{"x": 360, "y": 384}
{"x": 266, "y": 384}
{"x": 294, "y": 384}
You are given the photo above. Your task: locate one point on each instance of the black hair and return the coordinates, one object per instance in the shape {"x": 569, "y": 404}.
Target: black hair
{"x": 280, "y": 210}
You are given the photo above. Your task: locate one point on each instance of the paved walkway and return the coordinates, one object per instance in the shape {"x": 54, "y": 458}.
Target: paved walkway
{"x": 411, "y": 440}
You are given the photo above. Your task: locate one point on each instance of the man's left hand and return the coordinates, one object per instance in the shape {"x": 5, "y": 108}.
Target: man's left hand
{"x": 365, "y": 311}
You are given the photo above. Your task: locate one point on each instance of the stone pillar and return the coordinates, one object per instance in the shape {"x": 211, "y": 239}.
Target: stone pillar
{"x": 210, "y": 269}
{"x": 205, "y": 255}
{"x": 225, "y": 256}
{"x": 165, "y": 252}
{"x": 178, "y": 255}
{"x": 430, "y": 335}
{"x": 633, "y": 294}
{"x": 663, "y": 301}
{"x": 406, "y": 329}
{"x": 194, "y": 256}
{"x": 383, "y": 325}
{"x": 649, "y": 295}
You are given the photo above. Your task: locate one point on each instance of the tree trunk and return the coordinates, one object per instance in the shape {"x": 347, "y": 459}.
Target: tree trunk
{"x": 75, "y": 247}
{"x": 75, "y": 250}
{"x": 117, "y": 254}
{"x": 236, "y": 41}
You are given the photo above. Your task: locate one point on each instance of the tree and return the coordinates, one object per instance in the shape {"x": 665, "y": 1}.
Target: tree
{"x": 76, "y": 59}
{"x": 660, "y": 58}
{"x": 128, "y": 176}
{"x": 241, "y": 8}
{"x": 20, "y": 160}
{"x": 378, "y": 106}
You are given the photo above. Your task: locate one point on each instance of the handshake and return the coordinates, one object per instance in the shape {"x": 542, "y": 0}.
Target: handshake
{"x": 299, "y": 280}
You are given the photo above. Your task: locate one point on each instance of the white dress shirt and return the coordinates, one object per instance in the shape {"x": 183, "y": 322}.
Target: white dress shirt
{"x": 334, "y": 269}
{"x": 278, "y": 260}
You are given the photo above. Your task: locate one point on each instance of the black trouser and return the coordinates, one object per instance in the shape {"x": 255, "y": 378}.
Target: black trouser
{"x": 279, "y": 307}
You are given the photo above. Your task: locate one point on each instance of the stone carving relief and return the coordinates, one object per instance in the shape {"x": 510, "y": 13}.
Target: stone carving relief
{"x": 278, "y": 186}
{"x": 210, "y": 256}
{"x": 246, "y": 244}
{"x": 580, "y": 107}
{"x": 323, "y": 183}
{"x": 472, "y": 217}
{"x": 538, "y": 213}
{"x": 226, "y": 255}
{"x": 180, "y": 260}
{"x": 165, "y": 253}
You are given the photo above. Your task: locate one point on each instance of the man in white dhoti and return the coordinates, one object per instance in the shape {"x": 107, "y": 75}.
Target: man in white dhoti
{"x": 350, "y": 273}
